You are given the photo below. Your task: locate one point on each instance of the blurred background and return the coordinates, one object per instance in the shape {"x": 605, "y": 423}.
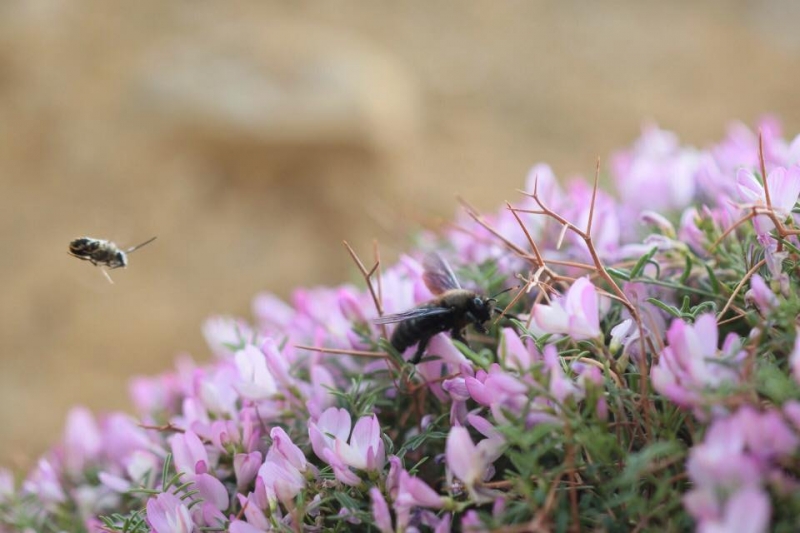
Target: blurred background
{"x": 253, "y": 136}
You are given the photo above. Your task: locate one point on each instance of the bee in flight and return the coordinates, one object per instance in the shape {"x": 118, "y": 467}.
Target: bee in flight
{"x": 102, "y": 253}
{"x": 453, "y": 309}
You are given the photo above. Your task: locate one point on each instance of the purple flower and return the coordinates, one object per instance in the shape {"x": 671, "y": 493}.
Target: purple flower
{"x": 691, "y": 364}
{"x": 168, "y": 514}
{"x": 576, "y": 314}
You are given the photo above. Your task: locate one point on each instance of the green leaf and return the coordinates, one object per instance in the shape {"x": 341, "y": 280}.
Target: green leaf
{"x": 640, "y": 264}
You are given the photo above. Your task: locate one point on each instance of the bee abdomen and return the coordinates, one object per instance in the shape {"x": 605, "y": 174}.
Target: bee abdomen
{"x": 404, "y": 336}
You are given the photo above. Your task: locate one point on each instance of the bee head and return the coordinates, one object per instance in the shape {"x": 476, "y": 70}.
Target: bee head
{"x": 480, "y": 310}
{"x": 121, "y": 259}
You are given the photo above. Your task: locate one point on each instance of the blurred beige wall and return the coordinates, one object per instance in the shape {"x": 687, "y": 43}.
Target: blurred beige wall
{"x": 252, "y": 137}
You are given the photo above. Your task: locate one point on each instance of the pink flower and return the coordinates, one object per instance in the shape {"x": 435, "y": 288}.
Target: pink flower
{"x": 245, "y": 466}
{"x": 256, "y": 381}
{"x": 784, "y": 188}
{"x": 283, "y": 471}
{"x": 238, "y": 526}
{"x": 82, "y": 440}
{"x": 189, "y": 453}
{"x": 515, "y": 353}
{"x": 576, "y": 314}
{"x": 211, "y": 490}
{"x": 761, "y": 294}
{"x": 467, "y": 461}
{"x": 411, "y": 493}
{"x": 333, "y": 424}
{"x": 657, "y": 173}
{"x": 351, "y": 306}
{"x": 691, "y": 364}
{"x": 168, "y": 514}
{"x": 747, "y": 511}
{"x": 364, "y": 451}
{"x": 794, "y": 357}
{"x": 283, "y": 447}
{"x": 561, "y": 387}
{"x": 380, "y": 511}
{"x": 738, "y": 455}
{"x": 254, "y": 505}
{"x": 43, "y": 482}
{"x": 6, "y": 485}
{"x": 225, "y": 335}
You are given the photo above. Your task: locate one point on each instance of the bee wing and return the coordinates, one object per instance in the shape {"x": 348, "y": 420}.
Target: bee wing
{"x": 438, "y": 276}
{"x": 417, "y": 312}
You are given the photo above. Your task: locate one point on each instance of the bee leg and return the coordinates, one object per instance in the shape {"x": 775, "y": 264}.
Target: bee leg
{"x": 457, "y": 334}
{"x": 423, "y": 343}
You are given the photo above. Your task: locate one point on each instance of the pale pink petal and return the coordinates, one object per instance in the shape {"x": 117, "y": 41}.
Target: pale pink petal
{"x": 82, "y": 440}
{"x": 245, "y": 467}
{"x": 188, "y": 452}
{"x": 551, "y": 318}
{"x": 238, "y": 526}
{"x": 750, "y": 190}
{"x": 288, "y": 449}
{"x": 794, "y": 357}
{"x": 784, "y": 187}
{"x": 462, "y": 456}
{"x": 212, "y": 491}
{"x": 168, "y": 514}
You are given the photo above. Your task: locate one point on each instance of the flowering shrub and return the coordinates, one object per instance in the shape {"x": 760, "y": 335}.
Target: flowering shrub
{"x": 642, "y": 376}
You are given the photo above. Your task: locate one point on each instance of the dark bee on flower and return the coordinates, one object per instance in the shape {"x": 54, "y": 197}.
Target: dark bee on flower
{"x": 102, "y": 253}
{"x": 453, "y": 309}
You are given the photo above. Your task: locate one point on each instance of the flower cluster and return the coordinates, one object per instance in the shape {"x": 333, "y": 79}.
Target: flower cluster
{"x": 642, "y": 369}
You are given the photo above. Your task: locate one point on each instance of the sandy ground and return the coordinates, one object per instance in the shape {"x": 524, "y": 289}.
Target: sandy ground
{"x": 252, "y": 137}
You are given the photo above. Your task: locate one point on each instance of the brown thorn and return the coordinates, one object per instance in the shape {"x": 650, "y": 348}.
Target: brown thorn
{"x": 534, "y": 248}
{"x": 367, "y": 279}
{"x": 594, "y": 198}
{"x": 739, "y": 286}
{"x": 763, "y": 165}
{"x": 356, "y": 353}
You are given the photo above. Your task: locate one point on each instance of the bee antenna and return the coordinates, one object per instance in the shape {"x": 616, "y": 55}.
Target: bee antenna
{"x": 133, "y": 248}
{"x": 507, "y": 315}
{"x": 494, "y": 298}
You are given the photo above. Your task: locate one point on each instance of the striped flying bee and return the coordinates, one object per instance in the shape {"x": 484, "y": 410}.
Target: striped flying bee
{"x": 453, "y": 309}
{"x": 100, "y": 252}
